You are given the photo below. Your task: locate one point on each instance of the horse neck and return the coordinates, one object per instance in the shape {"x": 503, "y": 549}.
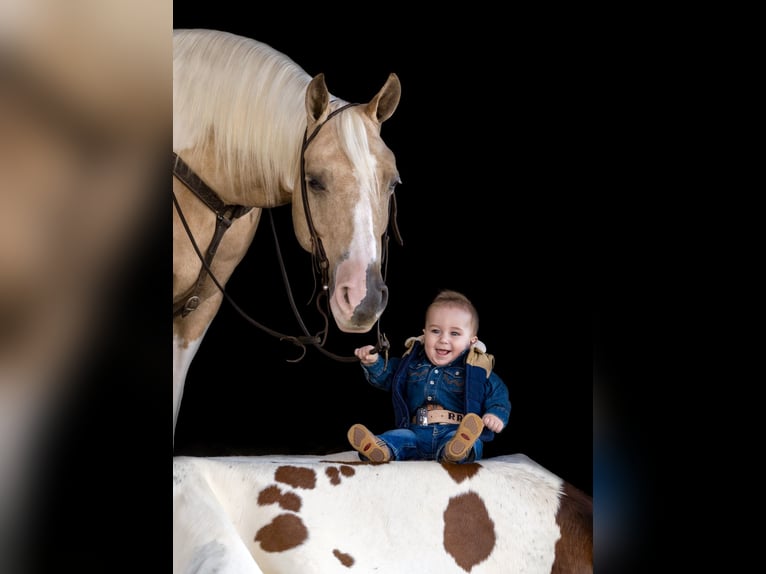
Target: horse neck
{"x": 233, "y": 191}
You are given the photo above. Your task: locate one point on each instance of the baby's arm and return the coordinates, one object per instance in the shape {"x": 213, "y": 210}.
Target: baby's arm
{"x": 366, "y": 355}
{"x": 492, "y": 422}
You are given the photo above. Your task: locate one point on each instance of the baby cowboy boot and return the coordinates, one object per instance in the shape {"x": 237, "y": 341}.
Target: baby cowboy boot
{"x": 368, "y": 444}
{"x": 461, "y": 444}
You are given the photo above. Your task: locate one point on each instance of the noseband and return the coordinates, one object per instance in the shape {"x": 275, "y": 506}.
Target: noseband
{"x": 225, "y": 216}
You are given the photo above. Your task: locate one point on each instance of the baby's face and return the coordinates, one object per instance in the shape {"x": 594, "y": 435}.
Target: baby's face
{"x": 448, "y": 332}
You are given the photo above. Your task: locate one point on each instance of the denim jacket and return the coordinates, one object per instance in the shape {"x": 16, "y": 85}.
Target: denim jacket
{"x": 485, "y": 392}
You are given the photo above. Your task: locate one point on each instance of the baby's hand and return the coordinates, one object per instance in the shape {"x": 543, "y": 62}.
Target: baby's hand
{"x": 492, "y": 422}
{"x": 365, "y": 355}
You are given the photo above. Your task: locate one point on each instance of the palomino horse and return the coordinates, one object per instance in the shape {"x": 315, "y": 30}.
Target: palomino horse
{"x": 246, "y": 122}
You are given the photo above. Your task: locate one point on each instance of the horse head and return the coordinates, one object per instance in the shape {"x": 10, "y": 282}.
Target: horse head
{"x": 347, "y": 181}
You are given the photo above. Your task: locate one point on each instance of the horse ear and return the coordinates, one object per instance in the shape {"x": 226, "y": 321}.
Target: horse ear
{"x": 317, "y": 100}
{"x": 384, "y": 104}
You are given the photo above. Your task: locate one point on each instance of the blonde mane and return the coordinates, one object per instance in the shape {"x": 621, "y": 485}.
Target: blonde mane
{"x": 251, "y": 113}
{"x": 251, "y": 117}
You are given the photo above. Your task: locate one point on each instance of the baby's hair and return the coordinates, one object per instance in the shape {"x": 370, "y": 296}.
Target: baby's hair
{"x": 450, "y": 298}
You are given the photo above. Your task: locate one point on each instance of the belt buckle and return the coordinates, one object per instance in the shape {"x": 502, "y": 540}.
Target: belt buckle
{"x": 422, "y": 416}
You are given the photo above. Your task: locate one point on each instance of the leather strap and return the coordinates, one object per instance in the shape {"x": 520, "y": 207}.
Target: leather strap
{"x": 442, "y": 416}
{"x": 225, "y": 216}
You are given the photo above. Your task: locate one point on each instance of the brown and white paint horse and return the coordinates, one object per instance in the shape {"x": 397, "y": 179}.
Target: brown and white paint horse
{"x": 335, "y": 514}
{"x": 241, "y": 114}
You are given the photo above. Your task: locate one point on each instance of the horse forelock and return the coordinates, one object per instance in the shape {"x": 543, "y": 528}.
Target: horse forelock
{"x": 357, "y": 192}
{"x": 356, "y": 143}
{"x": 240, "y": 102}
{"x": 353, "y": 138}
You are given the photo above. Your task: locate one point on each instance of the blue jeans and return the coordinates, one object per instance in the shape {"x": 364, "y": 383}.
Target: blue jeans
{"x": 425, "y": 443}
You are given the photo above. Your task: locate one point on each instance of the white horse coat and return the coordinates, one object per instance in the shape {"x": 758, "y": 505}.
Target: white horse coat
{"x": 327, "y": 514}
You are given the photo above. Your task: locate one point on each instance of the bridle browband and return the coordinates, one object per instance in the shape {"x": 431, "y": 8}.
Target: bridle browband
{"x": 225, "y": 216}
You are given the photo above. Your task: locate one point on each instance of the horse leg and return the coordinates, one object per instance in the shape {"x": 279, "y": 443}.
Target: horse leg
{"x": 183, "y": 353}
{"x": 205, "y": 539}
{"x": 188, "y": 333}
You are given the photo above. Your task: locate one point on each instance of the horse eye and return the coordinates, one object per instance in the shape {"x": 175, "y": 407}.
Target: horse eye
{"x": 393, "y": 184}
{"x": 316, "y": 185}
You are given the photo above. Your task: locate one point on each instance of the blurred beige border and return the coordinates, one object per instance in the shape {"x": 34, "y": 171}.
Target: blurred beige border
{"x": 85, "y": 121}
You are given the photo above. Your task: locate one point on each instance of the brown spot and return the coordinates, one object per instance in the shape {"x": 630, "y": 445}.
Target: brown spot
{"x": 574, "y": 550}
{"x": 469, "y": 533}
{"x": 334, "y": 474}
{"x": 460, "y": 472}
{"x": 347, "y": 471}
{"x": 269, "y": 495}
{"x": 344, "y": 559}
{"x": 290, "y": 501}
{"x": 272, "y": 495}
{"x": 286, "y": 531}
{"x": 296, "y": 476}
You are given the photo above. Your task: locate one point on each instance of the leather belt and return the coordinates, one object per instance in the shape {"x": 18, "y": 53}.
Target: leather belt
{"x": 433, "y": 414}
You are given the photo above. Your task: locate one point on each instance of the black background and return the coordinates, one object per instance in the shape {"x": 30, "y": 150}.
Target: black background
{"x": 490, "y": 205}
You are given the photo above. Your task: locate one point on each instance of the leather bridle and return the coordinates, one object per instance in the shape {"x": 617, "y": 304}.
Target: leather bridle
{"x": 225, "y": 216}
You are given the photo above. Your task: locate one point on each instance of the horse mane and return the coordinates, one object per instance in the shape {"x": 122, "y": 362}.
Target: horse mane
{"x": 241, "y": 101}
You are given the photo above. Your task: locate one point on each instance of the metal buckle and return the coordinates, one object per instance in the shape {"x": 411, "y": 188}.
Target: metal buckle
{"x": 421, "y": 418}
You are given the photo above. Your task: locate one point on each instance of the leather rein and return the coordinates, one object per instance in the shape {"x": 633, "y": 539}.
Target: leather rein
{"x": 225, "y": 216}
